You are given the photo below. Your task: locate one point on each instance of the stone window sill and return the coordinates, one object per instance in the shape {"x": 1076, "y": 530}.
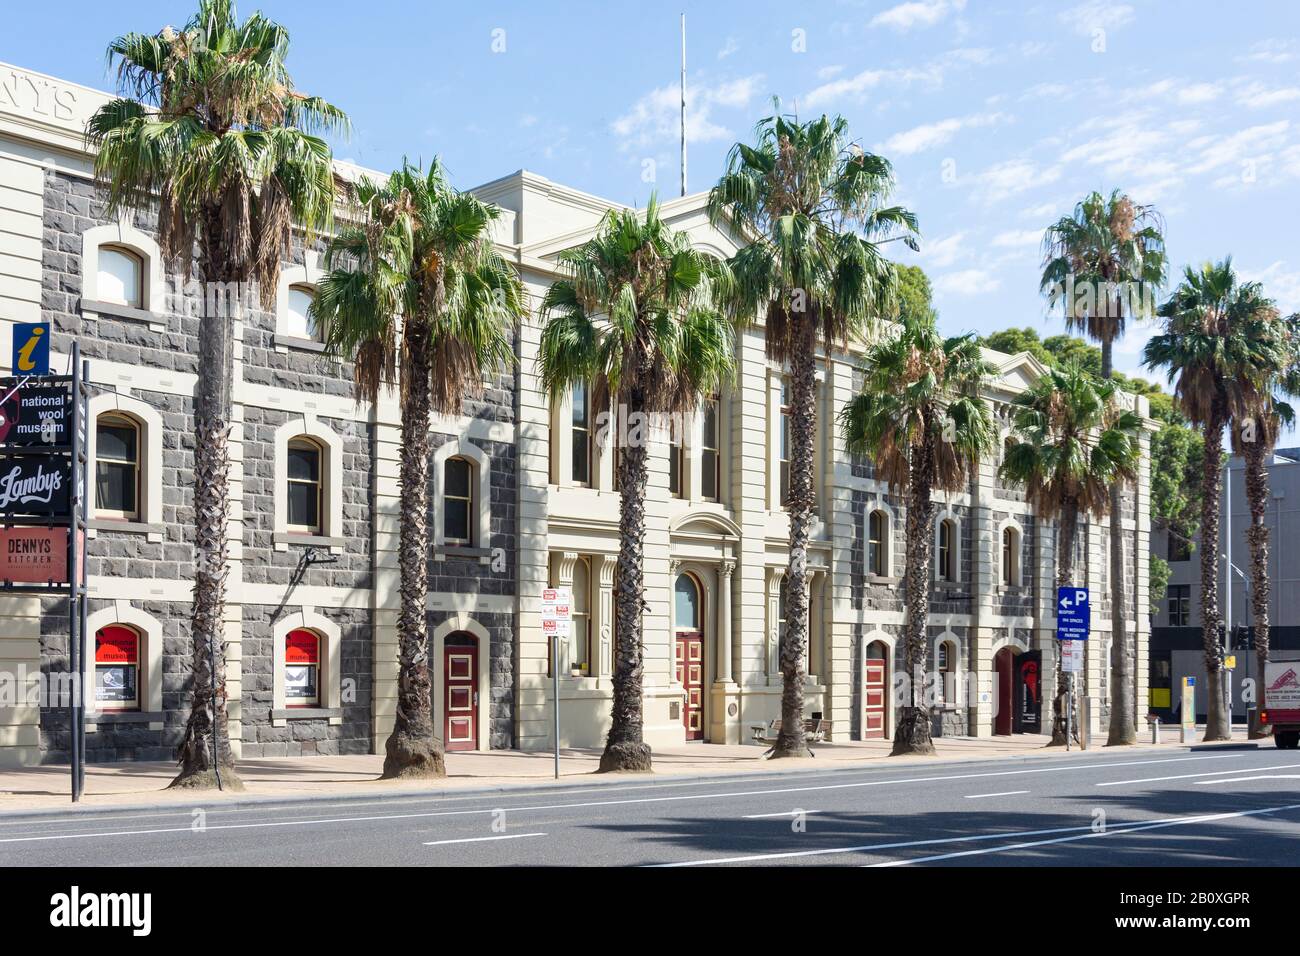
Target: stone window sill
{"x": 156, "y": 322}
{"x": 125, "y": 716}
{"x": 152, "y": 531}
{"x": 282, "y": 540}
{"x": 484, "y": 555}
{"x": 307, "y": 713}
{"x": 300, "y": 344}
{"x": 882, "y": 579}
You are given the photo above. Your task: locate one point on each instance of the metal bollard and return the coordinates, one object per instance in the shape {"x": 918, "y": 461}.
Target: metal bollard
{"x": 1155, "y": 730}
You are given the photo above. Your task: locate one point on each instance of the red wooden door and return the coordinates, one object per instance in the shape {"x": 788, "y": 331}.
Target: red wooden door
{"x": 1003, "y": 663}
{"x": 460, "y": 681}
{"x": 690, "y": 674}
{"x": 875, "y": 693}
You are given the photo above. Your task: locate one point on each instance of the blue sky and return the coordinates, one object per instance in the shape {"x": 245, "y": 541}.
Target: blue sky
{"x": 997, "y": 115}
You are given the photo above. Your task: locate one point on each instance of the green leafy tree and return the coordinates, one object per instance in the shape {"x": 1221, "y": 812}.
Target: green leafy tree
{"x": 921, "y": 417}
{"x": 416, "y": 294}
{"x": 1073, "y": 442}
{"x": 210, "y": 127}
{"x": 915, "y": 296}
{"x": 1222, "y": 343}
{"x": 812, "y": 205}
{"x": 1104, "y": 263}
{"x": 635, "y": 319}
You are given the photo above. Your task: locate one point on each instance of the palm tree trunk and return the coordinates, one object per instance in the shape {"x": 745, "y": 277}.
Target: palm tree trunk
{"x": 412, "y": 749}
{"x": 912, "y": 735}
{"x": 1067, "y": 527}
{"x": 800, "y": 504}
{"x": 1123, "y": 729}
{"x": 625, "y": 747}
{"x": 1257, "y": 537}
{"x": 1217, "y": 726}
{"x": 205, "y": 756}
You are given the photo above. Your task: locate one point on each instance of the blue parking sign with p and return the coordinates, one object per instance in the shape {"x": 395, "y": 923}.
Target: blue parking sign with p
{"x": 31, "y": 348}
{"x": 1073, "y": 615}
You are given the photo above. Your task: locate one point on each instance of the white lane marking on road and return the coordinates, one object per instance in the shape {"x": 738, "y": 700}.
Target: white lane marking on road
{"x": 1267, "y": 776}
{"x": 1175, "y": 822}
{"x": 870, "y": 847}
{"x": 1188, "y": 776}
{"x": 783, "y": 813}
{"x": 504, "y": 836}
{"x": 599, "y": 803}
{"x": 1004, "y": 793}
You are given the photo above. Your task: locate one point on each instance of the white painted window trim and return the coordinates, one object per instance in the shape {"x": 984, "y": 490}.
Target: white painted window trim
{"x": 150, "y": 630}
{"x": 1019, "y": 569}
{"x": 454, "y": 624}
{"x": 153, "y": 294}
{"x": 308, "y": 425}
{"x": 308, "y": 276}
{"x": 887, "y": 565}
{"x": 330, "y": 679}
{"x": 481, "y": 464}
{"x": 150, "y": 451}
{"x": 949, "y": 637}
{"x": 948, "y": 515}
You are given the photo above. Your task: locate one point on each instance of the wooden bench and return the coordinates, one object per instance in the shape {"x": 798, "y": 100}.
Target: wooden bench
{"x": 814, "y": 732}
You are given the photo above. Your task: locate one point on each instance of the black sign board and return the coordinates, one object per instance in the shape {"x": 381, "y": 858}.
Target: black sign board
{"x": 1029, "y": 693}
{"x": 35, "y": 485}
{"x": 34, "y": 413}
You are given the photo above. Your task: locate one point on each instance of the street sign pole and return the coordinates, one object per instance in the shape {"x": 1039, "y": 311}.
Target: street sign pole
{"x": 555, "y": 695}
{"x": 1069, "y": 714}
{"x": 557, "y": 613}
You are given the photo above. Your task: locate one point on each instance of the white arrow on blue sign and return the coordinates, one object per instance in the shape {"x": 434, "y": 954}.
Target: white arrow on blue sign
{"x": 1072, "y": 614}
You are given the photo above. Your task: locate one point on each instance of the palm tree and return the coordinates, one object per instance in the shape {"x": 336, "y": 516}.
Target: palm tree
{"x": 810, "y": 204}
{"x": 1073, "y": 442}
{"x": 921, "y": 418}
{"x": 1105, "y": 263}
{"x": 1254, "y": 439}
{"x": 210, "y": 127}
{"x": 1221, "y": 342}
{"x": 634, "y": 318}
{"x": 416, "y": 294}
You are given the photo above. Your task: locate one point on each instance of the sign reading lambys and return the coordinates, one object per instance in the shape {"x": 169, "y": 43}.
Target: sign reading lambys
{"x": 34, "y": 414}
{"x": 35, "y": 485}
{"x": 38, "y": 555}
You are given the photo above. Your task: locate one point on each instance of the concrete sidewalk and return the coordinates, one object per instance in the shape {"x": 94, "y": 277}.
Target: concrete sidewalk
{"x": 136, "y": 784}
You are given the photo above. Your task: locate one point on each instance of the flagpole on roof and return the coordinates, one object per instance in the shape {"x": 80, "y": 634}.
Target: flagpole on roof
{"x": 683, "y": 104}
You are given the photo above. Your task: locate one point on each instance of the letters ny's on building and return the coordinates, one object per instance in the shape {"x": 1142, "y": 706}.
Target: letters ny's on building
{"x": 522, "y": 498}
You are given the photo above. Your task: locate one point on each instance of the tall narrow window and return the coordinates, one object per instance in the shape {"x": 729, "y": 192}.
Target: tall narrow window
{"x": 1180, "y": 605}
{"x": 876, "y": 544}
{"x": 302, "y": 668}
{"x": 785, "y": 441}
{"x": 710, "y": 451}
{"x": 301, "y": 323}
{"x": 947, "y": 556}
{"x": 582, "y": 434}
{"x": 458, "y": 501}
{"x": 1010, "y": 556}
{"x": 946, "y": 665}
{"x": 117, "y": 467}
{"x": 119, "y": 279}
{"x": 304, "y": 492}
{"x": 674, "y": 466}
{"x": 580, "y": 626}
{"x": 117, "y": 668}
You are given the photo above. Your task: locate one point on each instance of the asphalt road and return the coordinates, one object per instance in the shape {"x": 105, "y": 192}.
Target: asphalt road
{"x": 1185, "y": 808}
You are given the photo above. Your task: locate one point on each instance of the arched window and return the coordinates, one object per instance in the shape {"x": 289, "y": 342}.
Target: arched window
{"x": 458, "y": 501}
{"x": 1010, "y": 556}
{"x": 674, "y": 466}
{"x": 300, "y": 322}
{"x": 946, "y": 667}
{"x": 305, "y": 486}
{"x": 710, "y": 449}
{"x": 785, "y": 442}
{"x": 302, "y": 668}
{"x": 877, "y": 524}
{"x": 117, "y": 668}
{"x": 580, "y": 628}
{"x": 946, "y": 555}
{"x": 581, "y": 434}
{"x": 117, "y": 467}
{"x": 120, "y": 278}
{"x": 686, "y": 604}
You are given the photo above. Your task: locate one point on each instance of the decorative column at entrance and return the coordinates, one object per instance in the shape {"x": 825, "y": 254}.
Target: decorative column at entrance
{"x": 724, "y": 717}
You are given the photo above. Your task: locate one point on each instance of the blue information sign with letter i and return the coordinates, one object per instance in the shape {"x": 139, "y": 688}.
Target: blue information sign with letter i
{"x": 1072, "y": 614}
{"x": 31, "y": 348}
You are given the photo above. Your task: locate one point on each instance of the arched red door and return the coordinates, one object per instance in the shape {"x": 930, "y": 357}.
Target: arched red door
{"x": 875, "y": 692}
{"x": 460, "y": 696}
{"x": 1003, "y": 663}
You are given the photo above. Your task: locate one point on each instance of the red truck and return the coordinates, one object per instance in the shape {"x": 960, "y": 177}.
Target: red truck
{"x": 1282, "y": 702}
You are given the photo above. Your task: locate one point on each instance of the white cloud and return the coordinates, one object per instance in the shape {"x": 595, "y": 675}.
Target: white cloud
{"x": 1271, "y": 51}
{"x": 919, "y": 13}
{"x": 942, "y": 253}
{"x": 1257, "y": 96}
{"x": 967, "y": 282}
{"x": 1281, "y": 284}
{"x": 656, "y": 117}
{"x": 1097, "y": 15}
{"x": 931, "y": 74}
{"x": 1011, "y": 177}
{"x": 728, "y": 48}
{"x": 1247, "y": 144}
{"x": 1199, "y": 93}
{"x": 1018, "y": 238}
{"x": 920, "y": 138}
